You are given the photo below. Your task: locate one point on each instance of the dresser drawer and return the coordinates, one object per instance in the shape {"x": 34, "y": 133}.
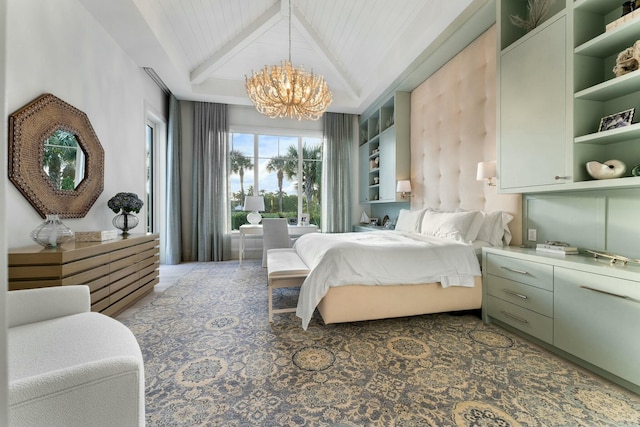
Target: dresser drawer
{"x": 527, "y": 321}
{"x": 528, "y": 272}
{"x": 530, "y": 297}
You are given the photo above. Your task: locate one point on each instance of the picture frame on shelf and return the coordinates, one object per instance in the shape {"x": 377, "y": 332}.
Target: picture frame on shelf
{"x": 304, "y": 219}
{"x": 373, "y": 222}
{"x": 617, "y": 120}
{"x": 293, "y": 221}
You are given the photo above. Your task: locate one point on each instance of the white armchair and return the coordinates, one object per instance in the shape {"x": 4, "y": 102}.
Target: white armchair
{"x": 69, "y": 366}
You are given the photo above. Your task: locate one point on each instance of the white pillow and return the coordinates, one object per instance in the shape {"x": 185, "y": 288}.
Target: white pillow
{"x": 495, "y": 229}
{"x": 447, "y": 225}
{"x": 409, "y": 220}
{"x": 476, "y": 224}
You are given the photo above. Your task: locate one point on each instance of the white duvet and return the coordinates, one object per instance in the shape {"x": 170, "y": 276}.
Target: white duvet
{"x": 379, "y": 258}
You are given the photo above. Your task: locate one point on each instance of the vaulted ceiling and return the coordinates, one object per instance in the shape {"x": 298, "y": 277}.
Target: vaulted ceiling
{"x": 203, "y": 49}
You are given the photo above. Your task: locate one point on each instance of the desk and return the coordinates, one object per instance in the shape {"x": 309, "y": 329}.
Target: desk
{"x": 256, "y": 230}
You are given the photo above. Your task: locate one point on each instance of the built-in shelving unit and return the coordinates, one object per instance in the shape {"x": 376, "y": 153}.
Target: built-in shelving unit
{"x": 562, "y": 72}
{"x": 385, "y": 150}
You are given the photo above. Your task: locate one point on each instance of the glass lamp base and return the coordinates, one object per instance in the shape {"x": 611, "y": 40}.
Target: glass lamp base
{"x": 254, "y": 218}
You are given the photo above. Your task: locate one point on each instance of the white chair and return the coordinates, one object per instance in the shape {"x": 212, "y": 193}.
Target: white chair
{"x": 275, "y": 235}
{"x": 69, "y": 366}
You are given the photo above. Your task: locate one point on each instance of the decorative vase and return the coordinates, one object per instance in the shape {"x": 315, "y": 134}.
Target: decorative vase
{"x": 52, "y": 232}
{"x": 125, "y": 221}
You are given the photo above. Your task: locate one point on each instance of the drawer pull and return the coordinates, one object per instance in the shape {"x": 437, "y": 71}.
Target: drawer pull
{"x": 515, "y": 294}
{"x": 600, "y": 291}
{"x": 513, "y": 270}
{"x": 513, "y": 316}
{"x": 558, "y": 177}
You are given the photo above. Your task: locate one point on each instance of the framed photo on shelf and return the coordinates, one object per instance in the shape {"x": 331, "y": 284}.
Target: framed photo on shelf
{"x": 618, "y": 120}
{"x": 293, "y": 221}
{"x": 304, "y": 219}
{"x": 373, "y": 222}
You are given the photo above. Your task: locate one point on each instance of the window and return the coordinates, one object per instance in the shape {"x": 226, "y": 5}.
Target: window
{"x": 286, "y": 170}
{"x": 150, "y": 141}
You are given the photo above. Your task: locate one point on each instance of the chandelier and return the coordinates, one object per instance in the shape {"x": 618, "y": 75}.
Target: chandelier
{"x": 286, "y": 91}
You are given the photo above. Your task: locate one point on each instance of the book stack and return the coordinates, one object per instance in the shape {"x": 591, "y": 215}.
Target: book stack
{"x": 559, "y": 248}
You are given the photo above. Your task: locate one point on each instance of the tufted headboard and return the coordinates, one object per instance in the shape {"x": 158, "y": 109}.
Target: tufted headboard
{"x": 453, "y": 127}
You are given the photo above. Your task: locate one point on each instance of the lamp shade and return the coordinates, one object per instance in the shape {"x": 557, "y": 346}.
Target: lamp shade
{"x": 254, "y": 203}
{"x": 403, "y": 186}
{"x": 486, "y": 170}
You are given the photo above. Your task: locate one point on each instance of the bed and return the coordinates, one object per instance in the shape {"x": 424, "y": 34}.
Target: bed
{"x": 428, "y": 264}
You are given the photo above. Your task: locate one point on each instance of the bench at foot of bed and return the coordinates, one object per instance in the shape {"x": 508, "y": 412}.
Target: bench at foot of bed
{"x": 285, "y": 269}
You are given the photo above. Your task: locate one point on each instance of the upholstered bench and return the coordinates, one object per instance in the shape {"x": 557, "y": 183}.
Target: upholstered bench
{"x": 285, "y": 269}
{"x": 69, "y": 366}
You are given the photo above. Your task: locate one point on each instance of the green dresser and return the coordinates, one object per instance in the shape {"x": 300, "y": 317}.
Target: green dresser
{"x": 582, "y": 308}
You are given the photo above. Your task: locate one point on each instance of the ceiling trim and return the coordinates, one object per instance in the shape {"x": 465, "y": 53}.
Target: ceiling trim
{"x": 312, "y": 38}
{"x": 264, "y": 23}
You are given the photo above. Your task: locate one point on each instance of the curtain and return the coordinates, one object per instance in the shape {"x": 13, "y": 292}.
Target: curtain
{"x": 209, "y": 178}
{"x": 336, "y": 170}
{"x": 173, "y": 233}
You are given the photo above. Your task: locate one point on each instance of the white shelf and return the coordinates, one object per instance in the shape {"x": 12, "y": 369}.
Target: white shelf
{"x": 612, "y": 136}
{"x": 615, "y": 40}
{"x": 614, "y": 88}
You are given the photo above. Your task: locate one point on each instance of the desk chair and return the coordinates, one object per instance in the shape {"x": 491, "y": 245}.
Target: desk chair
{"x": 275, "y": 235}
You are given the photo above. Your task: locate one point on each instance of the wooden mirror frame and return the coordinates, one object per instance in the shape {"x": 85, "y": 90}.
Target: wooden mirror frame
{"x": 29, "y": 128}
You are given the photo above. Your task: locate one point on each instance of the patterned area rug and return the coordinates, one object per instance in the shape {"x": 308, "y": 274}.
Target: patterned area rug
{"x": 212, "y": 358}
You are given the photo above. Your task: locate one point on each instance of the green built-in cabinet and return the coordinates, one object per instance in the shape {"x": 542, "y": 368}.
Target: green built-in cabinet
{"x": 384, "y": 153}
{"x": 581, "y": 307}
{"x": 555, "y": 85}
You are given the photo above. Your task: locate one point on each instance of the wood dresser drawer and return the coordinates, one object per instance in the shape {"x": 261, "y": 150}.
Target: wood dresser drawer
{"x": 118, "y": 272}
{"x": 523, "y": 271}
{"x": 529, "y": 297}
{"x": 528, "y": 321}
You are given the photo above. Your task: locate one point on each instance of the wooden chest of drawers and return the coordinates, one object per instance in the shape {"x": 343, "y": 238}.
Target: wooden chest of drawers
{"x": 118, "y": 272}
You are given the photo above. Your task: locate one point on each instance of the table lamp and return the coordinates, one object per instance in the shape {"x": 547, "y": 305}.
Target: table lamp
{"x": 254, "y": 204}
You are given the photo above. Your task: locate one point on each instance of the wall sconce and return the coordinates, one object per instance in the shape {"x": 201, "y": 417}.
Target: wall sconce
{"x": 254, "y": 204}
{"x": 404, "y": 187}
{"x": 487, "y": 172}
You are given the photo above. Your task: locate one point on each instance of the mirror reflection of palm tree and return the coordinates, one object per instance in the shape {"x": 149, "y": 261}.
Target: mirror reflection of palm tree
{"x": 278, "y": 164}
{"x": 239, "y": 164}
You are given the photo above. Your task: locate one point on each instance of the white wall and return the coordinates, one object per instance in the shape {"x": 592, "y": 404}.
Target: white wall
{"x": 57, "y": 47}
{"x": 3, "y": 241}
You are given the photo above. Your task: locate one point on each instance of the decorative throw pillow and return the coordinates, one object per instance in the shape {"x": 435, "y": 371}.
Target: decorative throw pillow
{"x": 474, "y": 228}
{"x": 447, "y": 225}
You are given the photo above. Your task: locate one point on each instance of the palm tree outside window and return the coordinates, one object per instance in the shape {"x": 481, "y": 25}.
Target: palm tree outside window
{"x": 285, "y": 170}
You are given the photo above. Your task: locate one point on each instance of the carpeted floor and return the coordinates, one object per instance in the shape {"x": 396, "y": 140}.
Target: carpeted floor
{"x": 212, "y": 358}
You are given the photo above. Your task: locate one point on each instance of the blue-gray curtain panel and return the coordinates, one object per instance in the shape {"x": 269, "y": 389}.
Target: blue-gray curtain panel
{"x": 173, "y": 232}
{"x": 336, "y": 165}
{"x": 210, "y": 166}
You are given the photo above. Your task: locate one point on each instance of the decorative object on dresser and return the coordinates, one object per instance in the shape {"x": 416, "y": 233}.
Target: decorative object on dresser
{"x": 560, "y": 248}
{"x": 613, "y": 258}
{"x": 537, "y": 12}
{"x": 118, "y": 272}
{"x": 96, "y": 236}
{"x": 50, "y": 180}
{"x": 607, "y": 170}
{"x": 52, "y": 232}
{"x": 123, "y": 204}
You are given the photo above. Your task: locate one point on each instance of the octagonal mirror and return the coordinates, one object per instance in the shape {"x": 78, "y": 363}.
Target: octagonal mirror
{"x": 55, "y": 157}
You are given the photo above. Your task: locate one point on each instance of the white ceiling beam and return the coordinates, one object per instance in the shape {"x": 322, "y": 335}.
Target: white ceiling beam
{"x": 312, "y": 38}
{"x": 247, "y": 36}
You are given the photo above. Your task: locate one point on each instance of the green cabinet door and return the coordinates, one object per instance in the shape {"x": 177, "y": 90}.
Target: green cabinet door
{"x": 596, "y": 318}
{"x": 532, "y": 116}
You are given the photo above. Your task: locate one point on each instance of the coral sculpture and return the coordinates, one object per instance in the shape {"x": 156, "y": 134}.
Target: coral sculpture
{"x": 538, "y": 10}
{"x": 628, "y": 60}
